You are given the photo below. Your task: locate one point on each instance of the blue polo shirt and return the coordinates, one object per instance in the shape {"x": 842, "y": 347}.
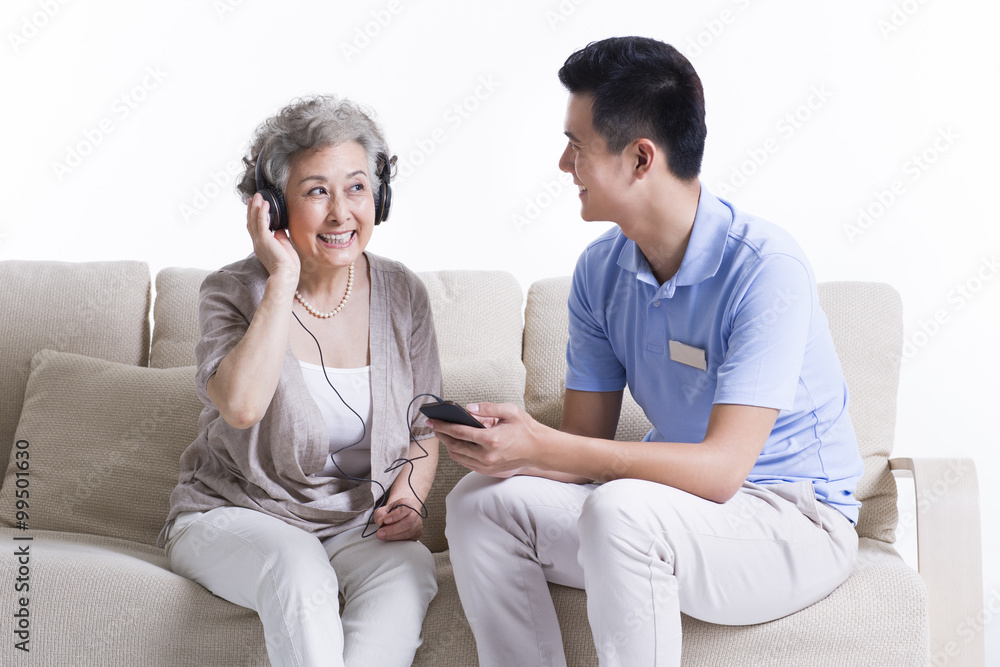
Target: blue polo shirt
{"x": 739, "y": 323}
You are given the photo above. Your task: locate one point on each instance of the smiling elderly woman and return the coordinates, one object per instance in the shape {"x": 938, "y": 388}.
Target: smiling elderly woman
{"x": 311, "y": 350}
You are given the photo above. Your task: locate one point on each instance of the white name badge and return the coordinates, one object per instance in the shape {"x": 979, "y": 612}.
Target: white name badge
{"x": 688, "y": 355}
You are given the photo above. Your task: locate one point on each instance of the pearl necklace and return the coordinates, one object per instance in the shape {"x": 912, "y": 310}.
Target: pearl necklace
{"x": 347, "y": 295}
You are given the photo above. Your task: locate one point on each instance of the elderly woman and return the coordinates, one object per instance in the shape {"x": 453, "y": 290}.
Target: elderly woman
{"x": 304, "y": 482}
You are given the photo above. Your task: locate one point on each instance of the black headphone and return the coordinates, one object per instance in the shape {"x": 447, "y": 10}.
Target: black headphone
{"x": 276, "y": 199}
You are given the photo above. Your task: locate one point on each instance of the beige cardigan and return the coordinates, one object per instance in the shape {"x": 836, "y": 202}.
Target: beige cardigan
{"x": 269, "y": 466}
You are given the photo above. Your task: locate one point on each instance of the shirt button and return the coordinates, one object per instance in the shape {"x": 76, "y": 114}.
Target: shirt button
{"x": 656, "y": 304}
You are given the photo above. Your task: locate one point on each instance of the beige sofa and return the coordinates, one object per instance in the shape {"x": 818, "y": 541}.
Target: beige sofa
{"x": 93, "y": 433}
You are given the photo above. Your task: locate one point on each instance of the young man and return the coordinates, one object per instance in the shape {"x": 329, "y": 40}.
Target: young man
{"x": 738, "y": 506}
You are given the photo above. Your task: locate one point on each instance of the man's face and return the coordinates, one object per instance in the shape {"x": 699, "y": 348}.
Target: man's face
{"x": 601, "y": 177}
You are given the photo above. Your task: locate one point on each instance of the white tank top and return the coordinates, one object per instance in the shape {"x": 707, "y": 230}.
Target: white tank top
{"x": 355, "y": 387}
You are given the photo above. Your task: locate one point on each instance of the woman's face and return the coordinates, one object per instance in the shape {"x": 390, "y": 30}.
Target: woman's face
{"x": 331, "y": 210}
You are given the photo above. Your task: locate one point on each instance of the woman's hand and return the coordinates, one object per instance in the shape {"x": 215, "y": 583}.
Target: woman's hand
{"x": 399, "y": 520}
{"x": 273, "y": 249}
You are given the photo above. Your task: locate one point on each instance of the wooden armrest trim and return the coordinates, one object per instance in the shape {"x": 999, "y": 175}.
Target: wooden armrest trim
{"x": 950, "y": 555}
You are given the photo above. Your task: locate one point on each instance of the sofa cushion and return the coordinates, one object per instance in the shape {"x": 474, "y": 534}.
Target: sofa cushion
{"x": 104, "y": 442}
{"x": 877, "y": 617}
{"x": 104, "y": 601}
{"x": 448, "y": 639}
{"x": 866, "y": 324}
{"x": 118, "y": 600}
{"x": 100, "y": 309}
{"x": 175, "y": 317}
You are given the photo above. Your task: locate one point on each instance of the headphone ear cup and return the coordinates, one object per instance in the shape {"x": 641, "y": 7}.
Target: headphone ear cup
{"x": 278, "y": 212}
{"x": 383, "y": 198}
{"x": 383, "y": 201}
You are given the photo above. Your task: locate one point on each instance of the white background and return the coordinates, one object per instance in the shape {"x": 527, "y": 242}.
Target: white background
{"x": 122, "y": 119}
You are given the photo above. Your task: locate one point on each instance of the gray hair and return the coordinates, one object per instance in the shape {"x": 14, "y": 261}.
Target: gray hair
{"x": 310, "y": 123}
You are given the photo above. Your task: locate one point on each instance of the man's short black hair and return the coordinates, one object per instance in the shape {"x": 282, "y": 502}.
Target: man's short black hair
{"x": 641, "y": 87}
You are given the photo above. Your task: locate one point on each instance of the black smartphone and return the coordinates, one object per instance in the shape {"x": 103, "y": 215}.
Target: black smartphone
{"x": 450, "y": 411}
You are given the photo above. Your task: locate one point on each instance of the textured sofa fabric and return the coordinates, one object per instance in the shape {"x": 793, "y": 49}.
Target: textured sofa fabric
{"x": 119, "y": 458}
{"x": 100, "y": 309}
{"x": 101, "y": 592}
{"x": 175, "y": 317}
{"x": 106, "y": 601}
{"x": 869, "y": 341}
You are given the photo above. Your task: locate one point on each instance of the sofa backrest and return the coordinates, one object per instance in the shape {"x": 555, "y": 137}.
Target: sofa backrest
{"x": 175, "y": 317}
{"x": 866, "y": 321}
{"x": 97, "y": 309}
{"x": 866, "y": 324}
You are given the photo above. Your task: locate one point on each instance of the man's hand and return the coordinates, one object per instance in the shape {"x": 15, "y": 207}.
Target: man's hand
{"x": 509, "y": 445}
{"x": 518, "y": 445}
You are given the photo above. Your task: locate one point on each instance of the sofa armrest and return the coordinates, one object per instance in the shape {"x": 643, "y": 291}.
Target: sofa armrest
{"x": 949, "y": 555}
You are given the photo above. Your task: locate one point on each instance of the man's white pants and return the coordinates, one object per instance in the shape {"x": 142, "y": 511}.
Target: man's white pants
{"x": 292, "y": 580}
{"x": 644, "y": 552}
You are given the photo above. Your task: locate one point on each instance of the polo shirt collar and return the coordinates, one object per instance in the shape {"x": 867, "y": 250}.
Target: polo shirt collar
{"x": 704, "y": 253}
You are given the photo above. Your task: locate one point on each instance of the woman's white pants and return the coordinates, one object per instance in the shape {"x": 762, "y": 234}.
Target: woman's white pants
{"x": 293, "y": 580}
